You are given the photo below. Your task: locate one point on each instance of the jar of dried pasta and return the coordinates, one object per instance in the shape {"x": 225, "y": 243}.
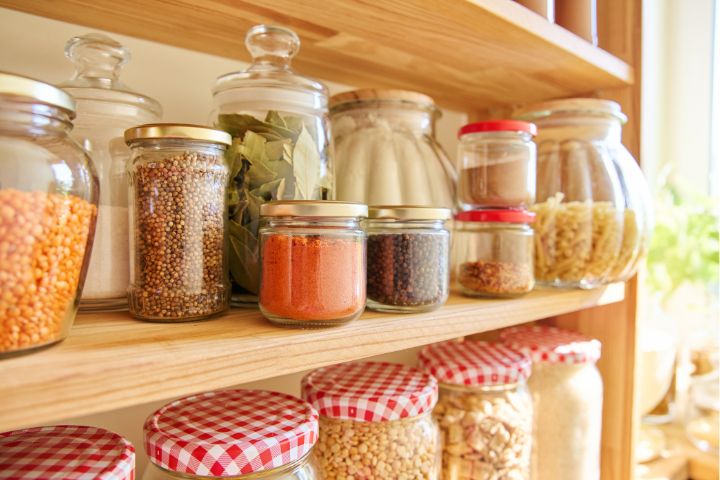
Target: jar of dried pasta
{"x": 567, "y": 393}
{"x": 375, "y": 421}
{"x": 484, "y": 411}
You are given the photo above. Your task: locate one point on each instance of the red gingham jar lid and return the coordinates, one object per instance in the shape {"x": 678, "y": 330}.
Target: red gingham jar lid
{"x": 473, "y": 363}
{"x": 66, "y": 452}
{"x": 370, "y": 391}
{"x": 230, "y": 432}
{"x": 553, "y": 345}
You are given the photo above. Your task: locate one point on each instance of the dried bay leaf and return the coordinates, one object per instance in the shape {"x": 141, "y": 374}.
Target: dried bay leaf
{"x": 306, "y": 166}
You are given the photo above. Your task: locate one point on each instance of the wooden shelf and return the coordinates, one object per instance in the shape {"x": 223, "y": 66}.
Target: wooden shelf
{"x": 468, "y": 54}
{"x": 111, "y": 361}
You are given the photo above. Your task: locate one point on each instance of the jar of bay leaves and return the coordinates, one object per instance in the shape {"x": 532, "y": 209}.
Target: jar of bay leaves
{"x": 280, "y": 129}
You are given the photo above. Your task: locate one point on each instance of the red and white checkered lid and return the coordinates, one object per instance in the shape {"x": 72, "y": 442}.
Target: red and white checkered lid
{"x": 370, "y": 391}
{"x": 230, "y": 432}
{"x": 553, "y": 345}
{"x": 474, "y": 363}
{"x": 66, "y": 452}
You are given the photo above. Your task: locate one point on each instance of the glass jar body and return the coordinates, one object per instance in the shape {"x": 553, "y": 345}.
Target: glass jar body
{"x": 406, "y": 448}
{"x": 487, "y": 431}
{"x": 177, "y": 216}
{"x": 48, "y": 206}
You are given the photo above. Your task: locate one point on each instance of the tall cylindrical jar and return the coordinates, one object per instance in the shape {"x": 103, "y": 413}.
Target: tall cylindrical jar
{"x": 105, "y": 109}
{"x": 567, "y": 394}
{"x": 48, "y": 205}
{"x": 178, "y": 180}
{"x": 375, "y": 421}
{"x": 281, "y": 144}
{"x": 232, "y": 434}
{"x": 485, "y": 411}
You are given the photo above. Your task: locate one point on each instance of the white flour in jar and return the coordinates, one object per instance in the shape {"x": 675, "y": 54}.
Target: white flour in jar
{"x": 109, "y": 270}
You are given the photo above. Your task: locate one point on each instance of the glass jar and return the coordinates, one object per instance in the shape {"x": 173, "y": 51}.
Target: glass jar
{"x": 178, "y": 178}
{"x": 408, "y": 258}
{"x": 48, "y": 205}
{"x": 567, "y": 393}
{"x": 375, "y": 421}
{"x": 485, "y": 411}
{"x": 497, "y": 165}
{"x": 386, "y": 152}
{"x": 280, "y": 129}
{"x": 493, "y": 253}
{"x": 702, "y": 423}
{"x": 232, "y": 434}
{"x": 313, "y": 262}
{"x": 105, "y": 109}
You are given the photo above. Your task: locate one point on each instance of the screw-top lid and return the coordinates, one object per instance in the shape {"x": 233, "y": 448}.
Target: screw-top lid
{"x": 179, "y": 131}
{"x": 498, "y": 126}
{"x": 230, "y": 432}
{"x": 408, "y": 212}
{"x": 553, "y": 345}
{"x": 370, "y": 391}
{"x": 35, "y": 90}
{"x": 66, "y": 452}
{"x": 475, "y": 363}
{"x": 506, "y": 216}
{"x": 590, "y": 106}
{"x": 312, "y": 208}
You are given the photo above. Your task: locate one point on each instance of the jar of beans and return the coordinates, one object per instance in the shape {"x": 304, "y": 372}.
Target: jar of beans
{"x": 48, "y": 205}
{"x": 375, "y": 421}
{"x": 238, "y": 434}
{"x": 493, "y": 253}
{"x": 312, "y": 256}
{"x": 177, "y": 214}
{"x": 408, "y": 258}
{"x": 484, "y": 410}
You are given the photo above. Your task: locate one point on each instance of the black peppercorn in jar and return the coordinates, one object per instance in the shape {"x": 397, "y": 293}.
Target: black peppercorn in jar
{"x": 178, "y": 182}
{"x": 407, "y": 258}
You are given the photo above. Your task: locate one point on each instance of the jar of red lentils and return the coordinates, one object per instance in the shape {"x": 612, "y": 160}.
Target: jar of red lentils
{"x": 313, "y": 269}
{"x": 48, "y": 205}
{"x": 233, "y": 434}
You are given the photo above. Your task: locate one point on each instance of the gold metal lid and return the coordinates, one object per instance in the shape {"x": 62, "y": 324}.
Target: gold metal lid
{"x": 407, "y": 212}
{"x": 181, "y": 131}
{"x": 313, "y": 208}
{"x": 573, "y": 105}
{"x": 20, "y": 86}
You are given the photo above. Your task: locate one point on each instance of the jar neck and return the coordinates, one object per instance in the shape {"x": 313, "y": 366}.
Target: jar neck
{"x": 378, "y": 225}
{"x": 340, "y": 223}
{"x": 574, "y": 126}
{"x": 507, "y": 226}
{"x": 37, "y": 119}
{"x": 267, "y": 474}
{"x": 178, "y": 144}
{"x": 393, "y": 115}
{"x": 520, "y": 137}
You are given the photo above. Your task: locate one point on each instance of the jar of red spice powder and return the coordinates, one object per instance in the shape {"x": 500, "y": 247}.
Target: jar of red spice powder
{"x": 313, "y": 269}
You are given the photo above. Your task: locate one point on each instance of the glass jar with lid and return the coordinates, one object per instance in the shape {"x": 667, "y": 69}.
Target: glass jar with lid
{"x": 279, "y": 124}
{"x": 313, "y": 269}
{"x": 48, "y": 207}
{"x": 105, "y": 109}
{"x": 178, "y": 180}
{"x": 493, "y": 253}
{"x": 408, "y": 258}
{"x": 386, "y": 152}
{"x": 484, "y": 411}
{"x": 375, "y": 421}
{"x": 232, "y": 434}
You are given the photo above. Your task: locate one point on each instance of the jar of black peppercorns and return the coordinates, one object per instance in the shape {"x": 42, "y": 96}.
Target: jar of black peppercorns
{"x": 408, "y": 257}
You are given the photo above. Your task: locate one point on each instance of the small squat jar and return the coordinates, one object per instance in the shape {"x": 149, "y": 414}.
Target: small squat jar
{"x": 178, "y": 178}
{"x": 312, "y": 256}
{"x": 234, "y": 435}
{"x": 485, "y": 411}
{"x": 408, "y": 258}
{"x": 493, "y": 253}
{"x": 375, "y": 421}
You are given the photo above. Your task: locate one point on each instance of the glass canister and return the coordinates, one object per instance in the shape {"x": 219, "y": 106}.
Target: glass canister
{"x": 178, "y": 179}
{"x": 48, "y": 205}
{"x": 485, "y": 411}
{"x": 493, "y": 253}
{"x": 408, "y": 258}
{"x": 375, "y": 421}
{"x": 567, "y": 393}
{"x": 386, "y": 152}
{"x": 497, "y": 165}
{"x": 105, "y": 109}
{"x": 232, "y": 434}
{"x": 68, "y": 452}
{"x": 312, "y": 258}
{"x": 279, "y": 124}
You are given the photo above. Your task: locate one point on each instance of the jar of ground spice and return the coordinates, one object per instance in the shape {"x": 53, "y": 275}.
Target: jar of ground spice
{"x": 312, "y": 256}
{"x": 408, "y": 258}
{"x": 493, "y": 253}
{"x": 178, "y": 179}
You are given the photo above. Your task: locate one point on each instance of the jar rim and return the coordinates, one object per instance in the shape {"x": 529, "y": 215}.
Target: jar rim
{"x": 407, "y": 212}
{"x": 313, "y": 208}
{"x": 22, "y": 86}
{"x": 511, "y": 126}
{"x": 496, "y": 216}
{"x": 577, "y": 106}
{"x": 176, "y": 131}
